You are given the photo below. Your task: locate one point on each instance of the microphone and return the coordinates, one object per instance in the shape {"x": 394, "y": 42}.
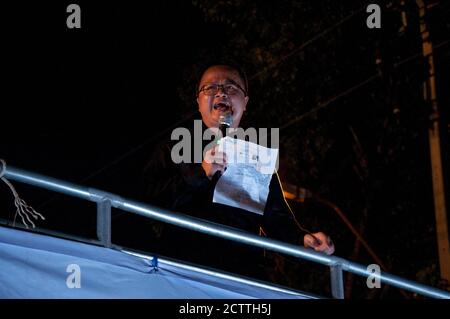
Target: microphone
{"x": 225, "y": 121}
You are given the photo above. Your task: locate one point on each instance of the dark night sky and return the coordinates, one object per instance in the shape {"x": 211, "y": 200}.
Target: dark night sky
{"x": 82, "y": 97}
{"x": 77, "y": 100}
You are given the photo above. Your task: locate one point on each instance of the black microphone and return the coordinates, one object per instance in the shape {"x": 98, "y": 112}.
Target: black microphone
{"x": 225, "y": 121}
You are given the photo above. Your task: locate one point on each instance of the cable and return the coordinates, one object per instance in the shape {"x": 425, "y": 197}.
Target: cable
{"x": 305, "y": 44}
{"x": 297, "y": 119}
{"x": 317, "y": 241}
{"x": 293, "y": 121}
{"x": 22, "y": 208}
{"x": 322, "y": 105}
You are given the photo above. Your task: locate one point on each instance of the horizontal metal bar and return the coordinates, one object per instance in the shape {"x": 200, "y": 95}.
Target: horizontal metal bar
{"x": 213, "y": 229}
{"x": 398, "y": 282}
{"x": 45, "y": 182}
{"x": 227, "y": 276}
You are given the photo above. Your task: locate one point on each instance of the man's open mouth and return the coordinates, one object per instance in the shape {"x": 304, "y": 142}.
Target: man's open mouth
{"x": 222, "y": 107}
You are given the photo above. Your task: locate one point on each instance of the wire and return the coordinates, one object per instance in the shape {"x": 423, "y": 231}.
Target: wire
{"x": 305, "y": 44}
{"x": 297, "y": 119}
{"x": 317, "y": 241}
{"x": 322, "y": 105}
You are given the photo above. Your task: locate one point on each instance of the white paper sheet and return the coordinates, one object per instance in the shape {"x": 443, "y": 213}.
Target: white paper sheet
{"x": 245, "y": 183}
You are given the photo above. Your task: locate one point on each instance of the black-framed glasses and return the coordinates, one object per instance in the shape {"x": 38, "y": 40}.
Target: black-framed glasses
{"x": 229, "y": 88}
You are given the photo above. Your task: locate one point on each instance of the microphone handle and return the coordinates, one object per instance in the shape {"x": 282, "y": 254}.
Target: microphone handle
{"x": 223, "y": 129}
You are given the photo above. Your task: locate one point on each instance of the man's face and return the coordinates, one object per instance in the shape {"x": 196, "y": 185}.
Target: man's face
{"x": 229, "y": 97}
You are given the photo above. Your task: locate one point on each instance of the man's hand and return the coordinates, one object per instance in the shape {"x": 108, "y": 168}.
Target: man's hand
{"x": 319, "y": 242}
{"x": 214, "y": 161}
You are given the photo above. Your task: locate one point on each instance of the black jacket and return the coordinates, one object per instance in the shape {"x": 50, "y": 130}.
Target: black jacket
{"x": 185, "y": 188}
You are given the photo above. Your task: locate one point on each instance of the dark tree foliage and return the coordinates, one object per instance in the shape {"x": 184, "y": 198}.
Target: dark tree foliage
{"x": 366, "y": 147}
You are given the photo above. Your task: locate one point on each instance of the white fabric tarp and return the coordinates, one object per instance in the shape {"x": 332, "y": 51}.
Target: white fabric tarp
{"x": 39, "y": 266}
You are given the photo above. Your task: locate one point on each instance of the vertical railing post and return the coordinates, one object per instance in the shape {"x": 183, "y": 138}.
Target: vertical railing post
{"x": 104, "y": 222}
{"x": 337, "y": 281}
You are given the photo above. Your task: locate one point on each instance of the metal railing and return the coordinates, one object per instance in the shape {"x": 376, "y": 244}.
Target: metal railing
{"x": 107, "y": 200}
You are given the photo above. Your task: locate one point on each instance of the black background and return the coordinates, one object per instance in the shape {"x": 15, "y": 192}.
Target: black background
{"x": 88, "y": 105}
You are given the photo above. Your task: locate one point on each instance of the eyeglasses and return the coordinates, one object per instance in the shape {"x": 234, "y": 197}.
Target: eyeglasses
{"x": 230, "y": 89}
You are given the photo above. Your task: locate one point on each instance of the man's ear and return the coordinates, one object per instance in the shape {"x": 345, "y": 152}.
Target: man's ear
{"x": 197, "y": 102}
{"x": 246, "y": 101}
